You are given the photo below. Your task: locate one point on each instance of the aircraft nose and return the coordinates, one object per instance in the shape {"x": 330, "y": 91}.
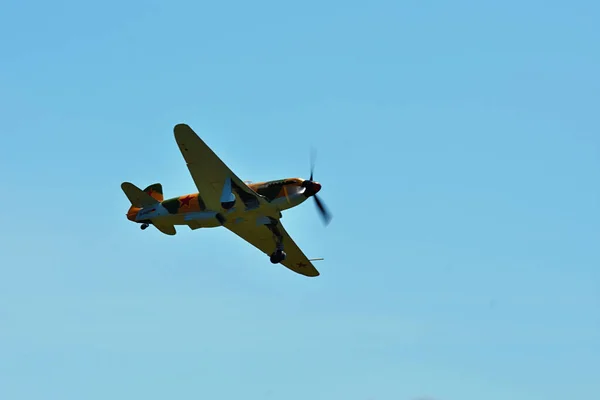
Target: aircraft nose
{"x": 317, "y": 187}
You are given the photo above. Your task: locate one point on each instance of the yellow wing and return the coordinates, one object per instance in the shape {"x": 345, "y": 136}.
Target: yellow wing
{"x": 261, "y": 237}
{"x": 209, "y": 172}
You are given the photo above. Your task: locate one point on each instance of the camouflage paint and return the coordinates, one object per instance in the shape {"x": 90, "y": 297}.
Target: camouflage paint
{"x": 155, "y": 190}
{"x": 275, "y": 189}
{"x": 193, "y": 202}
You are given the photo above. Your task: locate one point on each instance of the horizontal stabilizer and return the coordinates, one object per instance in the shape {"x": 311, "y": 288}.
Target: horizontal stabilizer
{"x": 164, "y": 228}
{"x": 137, "y": 196}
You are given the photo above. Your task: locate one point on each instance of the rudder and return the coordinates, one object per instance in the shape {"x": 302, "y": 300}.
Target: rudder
{"x": 156, "y": 191}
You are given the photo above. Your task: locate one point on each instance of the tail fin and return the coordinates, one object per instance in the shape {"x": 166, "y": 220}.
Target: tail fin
{"x": 155, "y": 190}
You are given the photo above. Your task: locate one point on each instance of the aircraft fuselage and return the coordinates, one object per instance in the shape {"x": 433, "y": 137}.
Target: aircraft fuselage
{"x": 191, "y": 210}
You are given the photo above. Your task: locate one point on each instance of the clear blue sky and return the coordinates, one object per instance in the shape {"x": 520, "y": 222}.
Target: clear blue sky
{"x": 458, "y": 148}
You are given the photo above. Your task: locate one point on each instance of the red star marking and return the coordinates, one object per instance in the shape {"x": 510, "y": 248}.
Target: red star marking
{"x": 185, "y": 201}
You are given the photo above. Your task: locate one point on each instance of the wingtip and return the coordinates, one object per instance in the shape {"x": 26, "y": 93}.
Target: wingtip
{"x": 180, "y": 128}
{"x": 184, "y": 132}
{"x": 313, "y": 274}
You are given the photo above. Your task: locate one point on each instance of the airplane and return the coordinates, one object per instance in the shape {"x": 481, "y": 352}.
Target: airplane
{"x": 252, "y": 211}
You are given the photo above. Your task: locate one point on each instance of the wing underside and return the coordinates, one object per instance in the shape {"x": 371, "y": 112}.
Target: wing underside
{"x": 209, "y": 172}
{"x": 261, "y": 237}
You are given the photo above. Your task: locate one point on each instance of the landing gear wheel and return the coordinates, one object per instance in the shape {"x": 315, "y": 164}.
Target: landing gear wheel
{"x": 278, "y": 256}
{"x": 144, "y": 226}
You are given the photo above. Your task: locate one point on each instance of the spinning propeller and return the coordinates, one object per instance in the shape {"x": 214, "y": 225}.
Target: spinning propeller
{"x": 312, "y": 188}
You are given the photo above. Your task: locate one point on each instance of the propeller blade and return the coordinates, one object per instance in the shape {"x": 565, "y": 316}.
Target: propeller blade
{"x": 313, "y": 157}
{"x": 325, "y": 214}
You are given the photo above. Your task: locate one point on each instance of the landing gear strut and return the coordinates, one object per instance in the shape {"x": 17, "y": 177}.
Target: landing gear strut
{"x": 144, "y": 225}
{"x": 278, "y": 255}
